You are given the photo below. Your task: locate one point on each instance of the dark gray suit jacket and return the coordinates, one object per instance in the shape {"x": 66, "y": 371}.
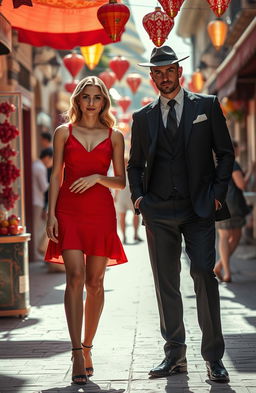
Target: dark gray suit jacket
{"x": 208, "y": 173}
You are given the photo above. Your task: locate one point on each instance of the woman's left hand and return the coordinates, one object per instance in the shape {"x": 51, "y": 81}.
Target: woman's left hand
{"x": 83, "y": 183}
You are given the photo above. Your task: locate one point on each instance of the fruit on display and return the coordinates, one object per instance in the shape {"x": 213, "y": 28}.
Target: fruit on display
{"x": 10, "y": 225}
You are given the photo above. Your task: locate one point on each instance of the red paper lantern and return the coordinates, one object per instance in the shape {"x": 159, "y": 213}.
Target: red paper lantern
{"x": 108, "y": 77}
{"x": 70, "y": 86}
{"x": 134, "y": 81}
{"x": 219, "y": 6}
{"x": 113, "y": 17}
{"x": 113, "y": 111}
{"x": 158, "y": 25}
{"x": 125, "y": 118}
{"x": 154, "y": 86}
{"x": 124, "y": 102}
{"x": 171, "y": 7}
{"x": 146, "y": 100}
{"x": 73, "y": 62}
{"x": 119, "y": 65}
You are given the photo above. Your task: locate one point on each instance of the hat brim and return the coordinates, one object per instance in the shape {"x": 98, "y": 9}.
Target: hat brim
{"x": 161, "y": 63}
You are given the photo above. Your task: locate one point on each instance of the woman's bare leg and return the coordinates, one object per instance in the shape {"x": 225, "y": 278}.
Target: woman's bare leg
{"x": 224, "y": 252}
{"x": 122, "y": 224}
{"x": 75, "y": 272}
{"x": 94, "y": 277}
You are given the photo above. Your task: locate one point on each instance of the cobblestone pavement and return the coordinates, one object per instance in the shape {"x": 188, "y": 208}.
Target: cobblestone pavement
{"x": 35, "y": 352}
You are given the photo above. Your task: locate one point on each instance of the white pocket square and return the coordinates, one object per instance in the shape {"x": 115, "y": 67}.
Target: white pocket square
{"x": 200, "y": 118}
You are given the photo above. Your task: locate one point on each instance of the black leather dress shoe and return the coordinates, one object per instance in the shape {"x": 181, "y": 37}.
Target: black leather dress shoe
{"x": 216, "y": 371}
{"x": 169, "y": 367}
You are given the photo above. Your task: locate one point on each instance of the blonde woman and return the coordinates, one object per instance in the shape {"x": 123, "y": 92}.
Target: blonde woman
{"x": 81, "y": 219}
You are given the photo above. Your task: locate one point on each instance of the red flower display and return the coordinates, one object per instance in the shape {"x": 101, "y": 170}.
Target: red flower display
{"x": 6, "y": 108}
{"x": 8, "y": 198}
{"x": 8, "y": 172}
{"x": 6, "y": 152}
{"x": 7, "y": 132}
{"x": 171, "y": 7}
{"x": 219, "y": 6}
{"x": 158, "y": 26}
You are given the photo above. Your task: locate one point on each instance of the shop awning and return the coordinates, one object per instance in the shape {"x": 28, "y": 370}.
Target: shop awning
{"x": 60, "y": 24}
{"x": 224, "y": 79}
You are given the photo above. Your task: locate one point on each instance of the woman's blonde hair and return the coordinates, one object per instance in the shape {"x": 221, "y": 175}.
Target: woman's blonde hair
{"x": 74, "y": 113}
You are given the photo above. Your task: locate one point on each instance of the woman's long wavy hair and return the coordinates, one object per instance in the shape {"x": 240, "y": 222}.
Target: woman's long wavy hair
{"x": 74, "y": 113}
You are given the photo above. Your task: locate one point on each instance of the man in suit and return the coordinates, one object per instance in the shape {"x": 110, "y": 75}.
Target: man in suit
{"x": 180, "y": 189}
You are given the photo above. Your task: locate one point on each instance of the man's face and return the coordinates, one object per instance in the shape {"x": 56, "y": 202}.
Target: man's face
{"x": 166, "y": 78}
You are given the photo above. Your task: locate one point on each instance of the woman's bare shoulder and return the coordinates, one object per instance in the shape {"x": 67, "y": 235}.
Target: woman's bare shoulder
{"x": 62, "y": 131}
{"x": 117, "y": 135}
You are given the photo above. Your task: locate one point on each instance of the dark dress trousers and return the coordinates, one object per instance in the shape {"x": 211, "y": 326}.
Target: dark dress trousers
{"x": 179, "y": 178}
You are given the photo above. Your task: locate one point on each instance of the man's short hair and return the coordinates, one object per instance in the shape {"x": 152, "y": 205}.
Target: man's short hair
{"x": 47, "y": 136}
{"x": 46, "y": 153}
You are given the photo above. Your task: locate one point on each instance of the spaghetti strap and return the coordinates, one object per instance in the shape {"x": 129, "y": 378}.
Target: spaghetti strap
{"x": 70, "y": 128}
{"x": 110, "y": 132}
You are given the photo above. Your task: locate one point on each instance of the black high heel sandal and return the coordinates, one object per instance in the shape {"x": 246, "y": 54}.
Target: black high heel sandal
{"x": 81, "y": 376}
{"x": 89, "y": 370}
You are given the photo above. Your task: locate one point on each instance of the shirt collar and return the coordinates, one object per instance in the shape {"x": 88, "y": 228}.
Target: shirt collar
{"x": 178, "y": 98}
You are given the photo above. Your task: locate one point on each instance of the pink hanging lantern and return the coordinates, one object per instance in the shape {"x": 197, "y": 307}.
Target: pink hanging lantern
{"x": 119, "y": 65}
{"x": 108, "y": 77}
{"x": 74, "y": 63}
{"x": 124, "y": 102}
{"x": 146, "y": 100}
{"x": 70, "y": 86}
{"x": 219, "y": 6}
{"x": 125, "y": 118}
{"x": 158, "y": 26}
{"x": 154, "y": 86}
{"x": 134, "y": 81}
{"x": 171, "y": 7}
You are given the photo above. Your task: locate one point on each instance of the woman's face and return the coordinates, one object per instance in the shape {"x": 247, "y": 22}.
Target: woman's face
{"x": 91, "y": 100}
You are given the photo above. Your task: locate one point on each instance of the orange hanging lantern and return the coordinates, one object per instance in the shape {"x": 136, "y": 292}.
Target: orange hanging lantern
{"x": 124, "y": 103}
{"x": 219, "y": 6}
{"x": 146, "y": 100}
{"x": 119, "y": 65}
{"x": 158, "y": 26}
{"x": 154, "y": 86}
{"x": 92, "y": 55}
{"x": 108, "y": 77}
{"x": 217, "y": 30}
{"x": 134, "y": 81}
{"x": 113, "y": 17}
{"x": 70, "y": 87}
{"x": 197, "y": 81}
{"x": 171, "y": 7}
{"x": 74, "y": 63}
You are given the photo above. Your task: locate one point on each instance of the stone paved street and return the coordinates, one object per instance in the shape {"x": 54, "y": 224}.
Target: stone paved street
{"x": 35, "y": 352}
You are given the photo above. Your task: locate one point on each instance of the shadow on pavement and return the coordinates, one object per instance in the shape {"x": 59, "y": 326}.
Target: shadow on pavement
{"x": 90, "y": 387}
{"x": 8, "y": 383}
{"x": 32, "y": 349}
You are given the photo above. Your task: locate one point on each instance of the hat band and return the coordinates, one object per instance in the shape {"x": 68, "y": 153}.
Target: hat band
{"x": 163, "y": 58}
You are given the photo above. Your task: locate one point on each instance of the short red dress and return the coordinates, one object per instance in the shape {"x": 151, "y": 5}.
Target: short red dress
{"x": 86, "y": 221}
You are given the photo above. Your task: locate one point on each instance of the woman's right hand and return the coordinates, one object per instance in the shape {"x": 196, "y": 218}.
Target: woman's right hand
{"x": 52, "y": 228}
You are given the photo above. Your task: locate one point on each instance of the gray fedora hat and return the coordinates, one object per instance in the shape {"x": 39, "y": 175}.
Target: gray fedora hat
{"x": 162, "y": 56}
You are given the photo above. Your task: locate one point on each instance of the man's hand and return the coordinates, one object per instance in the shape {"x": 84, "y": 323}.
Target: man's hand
{"x": 137, "y": 202}
{"x": 218, "y": 205}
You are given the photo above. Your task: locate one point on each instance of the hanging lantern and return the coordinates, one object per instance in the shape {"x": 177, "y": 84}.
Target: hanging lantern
{"x": 70, "y": 86}
{"x": 123, "y": 127}
{"x": 119, "y": 65}
{"x": 217, "y": 30}
{"x": 114, "y": 111}
{"x": 92, "y": 54}
{"x": 108, "y": 77}
{"x": 154, "y": 86}
{"x": 74, "y": 63}
{"x": 125, "y": 118}
{"x": 197, "y": 81}
{"x": 146, "y": 100}
{"x": 158, "y": 26}
{"x": 219, "y": 6}
{"x": 134, "y": 81}
{"x": 171, "y": 7}
{"x": 124, "y": 102}
{"x": 113, "y": 17}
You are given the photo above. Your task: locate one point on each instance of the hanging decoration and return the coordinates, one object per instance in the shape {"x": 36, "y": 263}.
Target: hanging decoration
{"x": 74, "y": 63}
{"x": 70, "y": 86}
{"x": 154, "y": 86}
{"x": 119, "y": 65}
{"x": 124, "y": 103}
{"x": 217, "y": 30}
{"x": 113, "y": 17}
{"x": 125, "y": 118}
{"x": 114, "y": 111}
{"x": 219, "y": 6}
{"x": 134, "y": 81}
{"x": 197, "y": 80}
{"x": 92, "y": 54}
{"x": 146, "y": 100}
{"x": 108, "y": 77}
{"x": 158, "y": 26}
{"x": 171, "y": 7}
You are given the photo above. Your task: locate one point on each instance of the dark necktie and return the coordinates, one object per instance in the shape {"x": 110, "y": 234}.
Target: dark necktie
{"x": 172, "y": 126}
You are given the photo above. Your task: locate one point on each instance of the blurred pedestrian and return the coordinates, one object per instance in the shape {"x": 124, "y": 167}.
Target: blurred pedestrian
{"x": 179, "y": 191}
{"x": 81, "y": 217}
{"x": 230, "y": 230}
{"x": 39, "y": 187}
{"x": 45, "y": 140}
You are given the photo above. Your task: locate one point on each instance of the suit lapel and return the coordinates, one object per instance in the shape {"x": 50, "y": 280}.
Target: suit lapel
{"x": 153, "y": 114}
{"x": 189, "y": 111}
